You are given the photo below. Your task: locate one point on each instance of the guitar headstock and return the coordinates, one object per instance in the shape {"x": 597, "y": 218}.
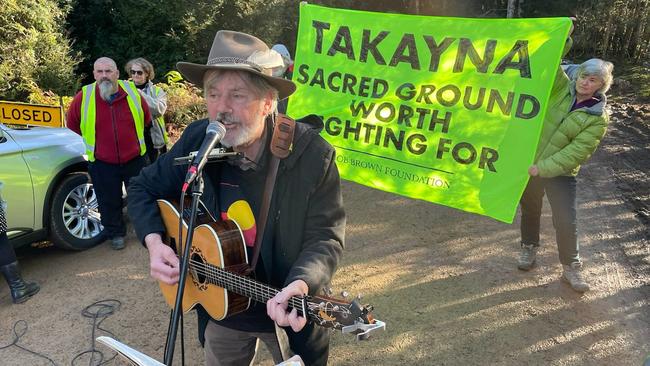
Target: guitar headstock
{"x": 346, "y": 316}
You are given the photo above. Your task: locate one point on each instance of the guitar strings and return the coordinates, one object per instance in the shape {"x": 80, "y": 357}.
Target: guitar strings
{"x": 236, "y": 281}
{"x": 244, "y": 284}
{"x": 207, "y": 270}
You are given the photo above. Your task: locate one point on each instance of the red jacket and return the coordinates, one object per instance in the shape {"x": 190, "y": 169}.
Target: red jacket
{"x": 116, "y": 141}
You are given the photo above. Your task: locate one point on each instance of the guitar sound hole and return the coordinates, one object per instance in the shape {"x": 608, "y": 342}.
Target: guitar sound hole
{"x": 199, "y": 269}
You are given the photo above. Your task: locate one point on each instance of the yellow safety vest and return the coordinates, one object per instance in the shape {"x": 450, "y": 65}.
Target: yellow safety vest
{"x": 88, "y": 115}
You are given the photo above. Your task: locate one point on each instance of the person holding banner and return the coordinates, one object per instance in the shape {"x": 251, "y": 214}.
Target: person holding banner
{"x": 303, "y": 238}
{"x": 111, "y": 116}
{"x": 142, "y": 73}
{"x": 575, "y": 123}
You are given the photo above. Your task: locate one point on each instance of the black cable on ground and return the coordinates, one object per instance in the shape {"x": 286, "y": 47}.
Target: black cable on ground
{"x": 97, "y": 311}
{"x": 19, "y": 333}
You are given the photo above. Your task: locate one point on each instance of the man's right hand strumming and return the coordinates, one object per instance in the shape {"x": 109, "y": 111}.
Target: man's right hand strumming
{"x": 163, "y": 262}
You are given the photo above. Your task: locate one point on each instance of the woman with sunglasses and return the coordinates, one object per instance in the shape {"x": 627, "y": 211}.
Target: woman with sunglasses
{"x": 141, "y": 72}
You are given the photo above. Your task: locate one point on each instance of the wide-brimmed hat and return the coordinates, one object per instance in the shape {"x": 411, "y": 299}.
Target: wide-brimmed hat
{"x": 239, "y": 51}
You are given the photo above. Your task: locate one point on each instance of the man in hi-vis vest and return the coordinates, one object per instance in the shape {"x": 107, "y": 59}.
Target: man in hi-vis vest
{"x": 111, "y": 116}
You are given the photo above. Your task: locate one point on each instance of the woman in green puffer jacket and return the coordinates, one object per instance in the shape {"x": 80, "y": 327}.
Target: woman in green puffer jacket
{"x": 575, "y": 123}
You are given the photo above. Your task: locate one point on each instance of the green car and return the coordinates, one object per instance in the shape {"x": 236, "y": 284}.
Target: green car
{"x": 47, "y": 189}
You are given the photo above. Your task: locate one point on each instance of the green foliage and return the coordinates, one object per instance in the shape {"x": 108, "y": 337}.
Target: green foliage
{"x": 33, "y": 51}
{"x": 168, "y": 31}
{"x": 638, "y": 77}
{"x": 185, "y": 103}
{"x": 609, "y": 29}
{"x": 48, "y": 97}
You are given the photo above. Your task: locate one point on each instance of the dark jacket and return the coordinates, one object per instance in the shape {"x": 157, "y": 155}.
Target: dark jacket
{"x": 306, "y": 226}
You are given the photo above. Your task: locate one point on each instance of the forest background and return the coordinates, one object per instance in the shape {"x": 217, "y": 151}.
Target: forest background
{"x": 47, "y": 47}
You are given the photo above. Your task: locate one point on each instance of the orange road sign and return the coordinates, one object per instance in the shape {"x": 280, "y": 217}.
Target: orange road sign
{"x": 31, "y": 114}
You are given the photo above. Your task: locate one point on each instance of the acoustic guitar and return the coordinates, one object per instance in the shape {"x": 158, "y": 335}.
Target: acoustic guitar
{"x": 216, "y": 281}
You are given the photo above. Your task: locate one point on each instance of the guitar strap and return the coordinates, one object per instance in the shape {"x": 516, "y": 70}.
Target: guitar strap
{"x": 280, "y": 148}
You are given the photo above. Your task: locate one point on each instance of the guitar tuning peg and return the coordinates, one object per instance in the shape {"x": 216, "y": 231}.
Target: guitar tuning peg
{"x": 359, "y": 297}
{"x": 345, "y": 294}
{"x": 328, "y": 291}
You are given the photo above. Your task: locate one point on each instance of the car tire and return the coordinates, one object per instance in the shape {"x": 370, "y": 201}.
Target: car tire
{"x": 75, "y": 223}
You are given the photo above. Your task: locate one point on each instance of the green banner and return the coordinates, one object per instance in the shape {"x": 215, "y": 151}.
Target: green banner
{"x": 446, "y": 110}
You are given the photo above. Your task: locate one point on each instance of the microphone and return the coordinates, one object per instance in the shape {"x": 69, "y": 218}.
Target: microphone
{"x": 213, "y": 134}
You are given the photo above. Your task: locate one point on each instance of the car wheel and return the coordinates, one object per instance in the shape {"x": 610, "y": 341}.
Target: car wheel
{"x": 75, "y": 222}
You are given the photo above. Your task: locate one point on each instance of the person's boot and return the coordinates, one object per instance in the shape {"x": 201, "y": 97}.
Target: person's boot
{"x": 21, "y": 291}
{"x": 527, "y": 257}
{"x": 117, "y": 243}
{"x": 573, "y": 276}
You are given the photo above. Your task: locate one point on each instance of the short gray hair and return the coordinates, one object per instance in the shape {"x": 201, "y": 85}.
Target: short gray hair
{"x": 261, "y": 88}
{"x": 107, "y": 60}
{"x": 599, "y": 68}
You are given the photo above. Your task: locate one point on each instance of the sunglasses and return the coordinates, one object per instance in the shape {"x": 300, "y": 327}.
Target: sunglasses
{"x": 137, "y": 72}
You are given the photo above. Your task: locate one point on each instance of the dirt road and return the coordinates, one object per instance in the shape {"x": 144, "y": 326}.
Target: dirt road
{"x": 444, "y": 281}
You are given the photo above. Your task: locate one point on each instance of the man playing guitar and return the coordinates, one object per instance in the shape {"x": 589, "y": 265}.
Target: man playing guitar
{"x": 303, "y": 237}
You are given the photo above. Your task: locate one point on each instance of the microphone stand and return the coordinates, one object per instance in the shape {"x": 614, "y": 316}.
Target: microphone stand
{"x": 197, "y": 192}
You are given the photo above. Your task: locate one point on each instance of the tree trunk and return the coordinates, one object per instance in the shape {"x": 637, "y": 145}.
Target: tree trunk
{"x": 644, "y": 47}
{"x": 512, "y": 4}
{"x": 630, "y": 27}
{"x": 634, "y": 49}
{"x": 609, "y": 26}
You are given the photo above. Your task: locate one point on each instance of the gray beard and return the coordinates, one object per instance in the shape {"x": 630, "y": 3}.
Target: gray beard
{"x": 106, "y": 89}
{"x": 236, "y": 141}
{"x": 244, "y": 136}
